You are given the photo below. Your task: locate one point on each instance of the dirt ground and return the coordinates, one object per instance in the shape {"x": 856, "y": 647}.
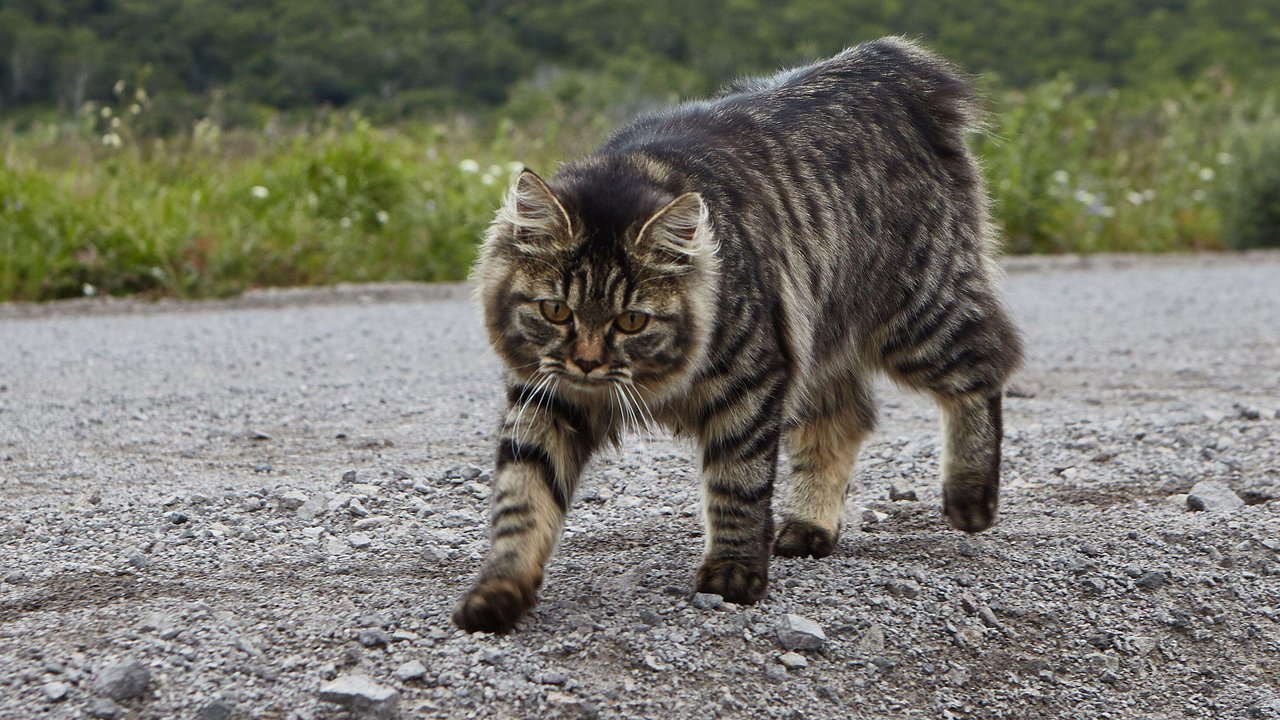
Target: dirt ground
{"x": 249, "y": 498}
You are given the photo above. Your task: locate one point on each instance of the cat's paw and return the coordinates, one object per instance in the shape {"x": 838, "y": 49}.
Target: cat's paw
{"x": 797, "y": 538}
{"x": 494, "y": 605}
{"x": 970, "y": 507}
{"x": 736, "y": 580}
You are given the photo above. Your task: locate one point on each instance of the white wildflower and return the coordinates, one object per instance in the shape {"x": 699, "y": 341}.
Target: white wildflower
{"x": 1135, "y": 198}
{"x": 487, "y": 179}
{"x": 259, "y": 192}
{"x": 112, "y": 140}
{"x": 88, "y": 290}
{"x": 1085, "y": 197}
{"x": 1224, "y": 158}
{"x": 313, "y": 201}
{"x": 118, "y": 88}
{"x": 515, "y": 166}
{"x": 1207, "y": 174}
{"x": 106, "y": 112}
{"x": 383, "y": 217}
{"x": 469, "y": 166}
{"x": 344, "y": 223}
{"x": 134, "y": 109}
{"x": 115, "y": 122}
{"x": 1198, "y": 195}
{"x": 1107, "y": 211}
{"x": 140, "y": 96}
{"x": 1062, "y": 177}
{"x": 1149, "y": 194}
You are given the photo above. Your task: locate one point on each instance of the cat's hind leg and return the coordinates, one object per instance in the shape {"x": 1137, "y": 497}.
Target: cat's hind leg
{"x": 962, "y": 356}
{"x": 823, "y": 448}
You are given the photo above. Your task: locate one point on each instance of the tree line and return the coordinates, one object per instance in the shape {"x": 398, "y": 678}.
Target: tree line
{"x": 403, "y": 57}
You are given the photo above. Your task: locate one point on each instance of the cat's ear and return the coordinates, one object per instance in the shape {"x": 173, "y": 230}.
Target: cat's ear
{"x": 538, "y": 221}
{"x": 680, "y": 234}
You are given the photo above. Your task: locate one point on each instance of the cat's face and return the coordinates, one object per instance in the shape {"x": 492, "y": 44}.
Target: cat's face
{"x": 592, "y": 301}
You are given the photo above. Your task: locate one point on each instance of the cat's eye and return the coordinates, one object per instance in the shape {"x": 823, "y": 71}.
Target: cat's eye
{"x": 555, "y": 311}
{"x": 631, "y": 322}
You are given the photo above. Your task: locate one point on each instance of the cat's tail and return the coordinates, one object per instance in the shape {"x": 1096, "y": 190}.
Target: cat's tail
{"x": 935, "y": 93}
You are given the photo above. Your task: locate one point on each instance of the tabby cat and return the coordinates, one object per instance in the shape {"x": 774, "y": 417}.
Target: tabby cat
{"x": 736, "y": 269}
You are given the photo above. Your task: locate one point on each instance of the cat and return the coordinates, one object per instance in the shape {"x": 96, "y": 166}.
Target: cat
{"x": 737, "y": 269}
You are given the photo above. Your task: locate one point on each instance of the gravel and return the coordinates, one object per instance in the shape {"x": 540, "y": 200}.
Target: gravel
{"x": 112, "y": 419}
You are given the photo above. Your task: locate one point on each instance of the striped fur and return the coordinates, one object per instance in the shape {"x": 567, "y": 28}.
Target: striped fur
{"x": 783, "y": 242}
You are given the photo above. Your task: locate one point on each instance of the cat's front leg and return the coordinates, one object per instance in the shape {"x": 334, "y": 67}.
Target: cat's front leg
{"x": 739, "y": 466}
{"x": 545, "y": 442}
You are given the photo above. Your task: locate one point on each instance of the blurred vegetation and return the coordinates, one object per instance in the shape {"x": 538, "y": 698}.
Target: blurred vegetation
{"x": 286, "y": 142}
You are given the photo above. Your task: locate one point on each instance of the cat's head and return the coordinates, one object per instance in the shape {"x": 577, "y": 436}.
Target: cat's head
{"x": 598, "y": 279}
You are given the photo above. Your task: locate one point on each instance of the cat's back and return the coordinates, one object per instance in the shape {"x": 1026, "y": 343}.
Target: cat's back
{"x": 880, "y": 98}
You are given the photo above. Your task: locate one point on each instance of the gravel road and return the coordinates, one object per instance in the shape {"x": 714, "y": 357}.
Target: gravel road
{"x": 212, "y": 510}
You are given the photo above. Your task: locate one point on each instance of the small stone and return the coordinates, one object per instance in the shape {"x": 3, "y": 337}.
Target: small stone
{"x": 1093, "y": 586}
{"x": 412, "y": 670}
{"x": 872, "y": 516}
{"x": 1212, "y": 416}
{"x": 349, "y": 476}
{"x": 1248, "y": 412}
{"x": 652, "y": 663}
{"x": 122, "y": 680}
{"x": 293, "y": 499}
{"x": 707, "y": 601}
{"x": 106, "y": 709}
{"x": 177, "y": 518}
{"x": 1151, "y": 581}
{"x": 552, "y": 678}
{"x": 337, "y": 546}
{"x": 361, "y": 696}
{"x": 1271, "y": 544}
{"x": 773, "y": 673}
{"x": 357, "y": 508}
{"x": 897, "y": 493}
{"x": 136, "y": 558}
{"x": 312, "y": 508}
{"x": 800, "y": 633}
{"x": 1224, "y": 442}
{"x": 793, "y": 660}
{"x": 216, "y": 710}
{"x": 56, "y": 691}
{"x": 369, "y": 522}
{"x": 1212, "y": 496}
{"x": 359, "y": 540}
{"x": 373, "y": 637}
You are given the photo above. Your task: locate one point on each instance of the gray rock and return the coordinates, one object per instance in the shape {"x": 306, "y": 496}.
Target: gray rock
{"x": 800, "y": 633}
{"x": 106, "y": 709}
{"x": 412, "y": 670}
{"x": 793, "y": 660}
{"x": 373, "y": 637}
{"x": 1151, "y": 581}
{"x": 552, "y": 678}
{"x": 361, "y": 696}
{"x": 349, "y": 476}
{"x": 1213, "y": 496}
{"x": 312, "y": 508}
{"x": 122, "y": 680}
{"x": 359, "y": 540}
{"x": 293, "y": 499}
{"x": 707, "y": 601}
{"x": 357, "y": 508}
{"x": 899, "y": 493}
{"x": 773, "y": 673}
{"x": 216, "y": 710}
{"x": 56, "y": 691}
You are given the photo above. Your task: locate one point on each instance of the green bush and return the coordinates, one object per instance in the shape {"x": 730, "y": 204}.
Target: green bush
{"x": 1251, "y": 198}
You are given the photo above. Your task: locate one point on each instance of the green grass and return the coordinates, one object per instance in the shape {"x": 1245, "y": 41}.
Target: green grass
{"x": 87, "y": 207}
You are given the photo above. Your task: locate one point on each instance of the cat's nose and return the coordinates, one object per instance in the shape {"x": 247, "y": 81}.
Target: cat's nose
{"x": 586, "y": 366}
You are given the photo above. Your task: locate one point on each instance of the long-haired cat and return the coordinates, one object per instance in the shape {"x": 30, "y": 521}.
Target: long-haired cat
{"x": 736, "y": 269}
